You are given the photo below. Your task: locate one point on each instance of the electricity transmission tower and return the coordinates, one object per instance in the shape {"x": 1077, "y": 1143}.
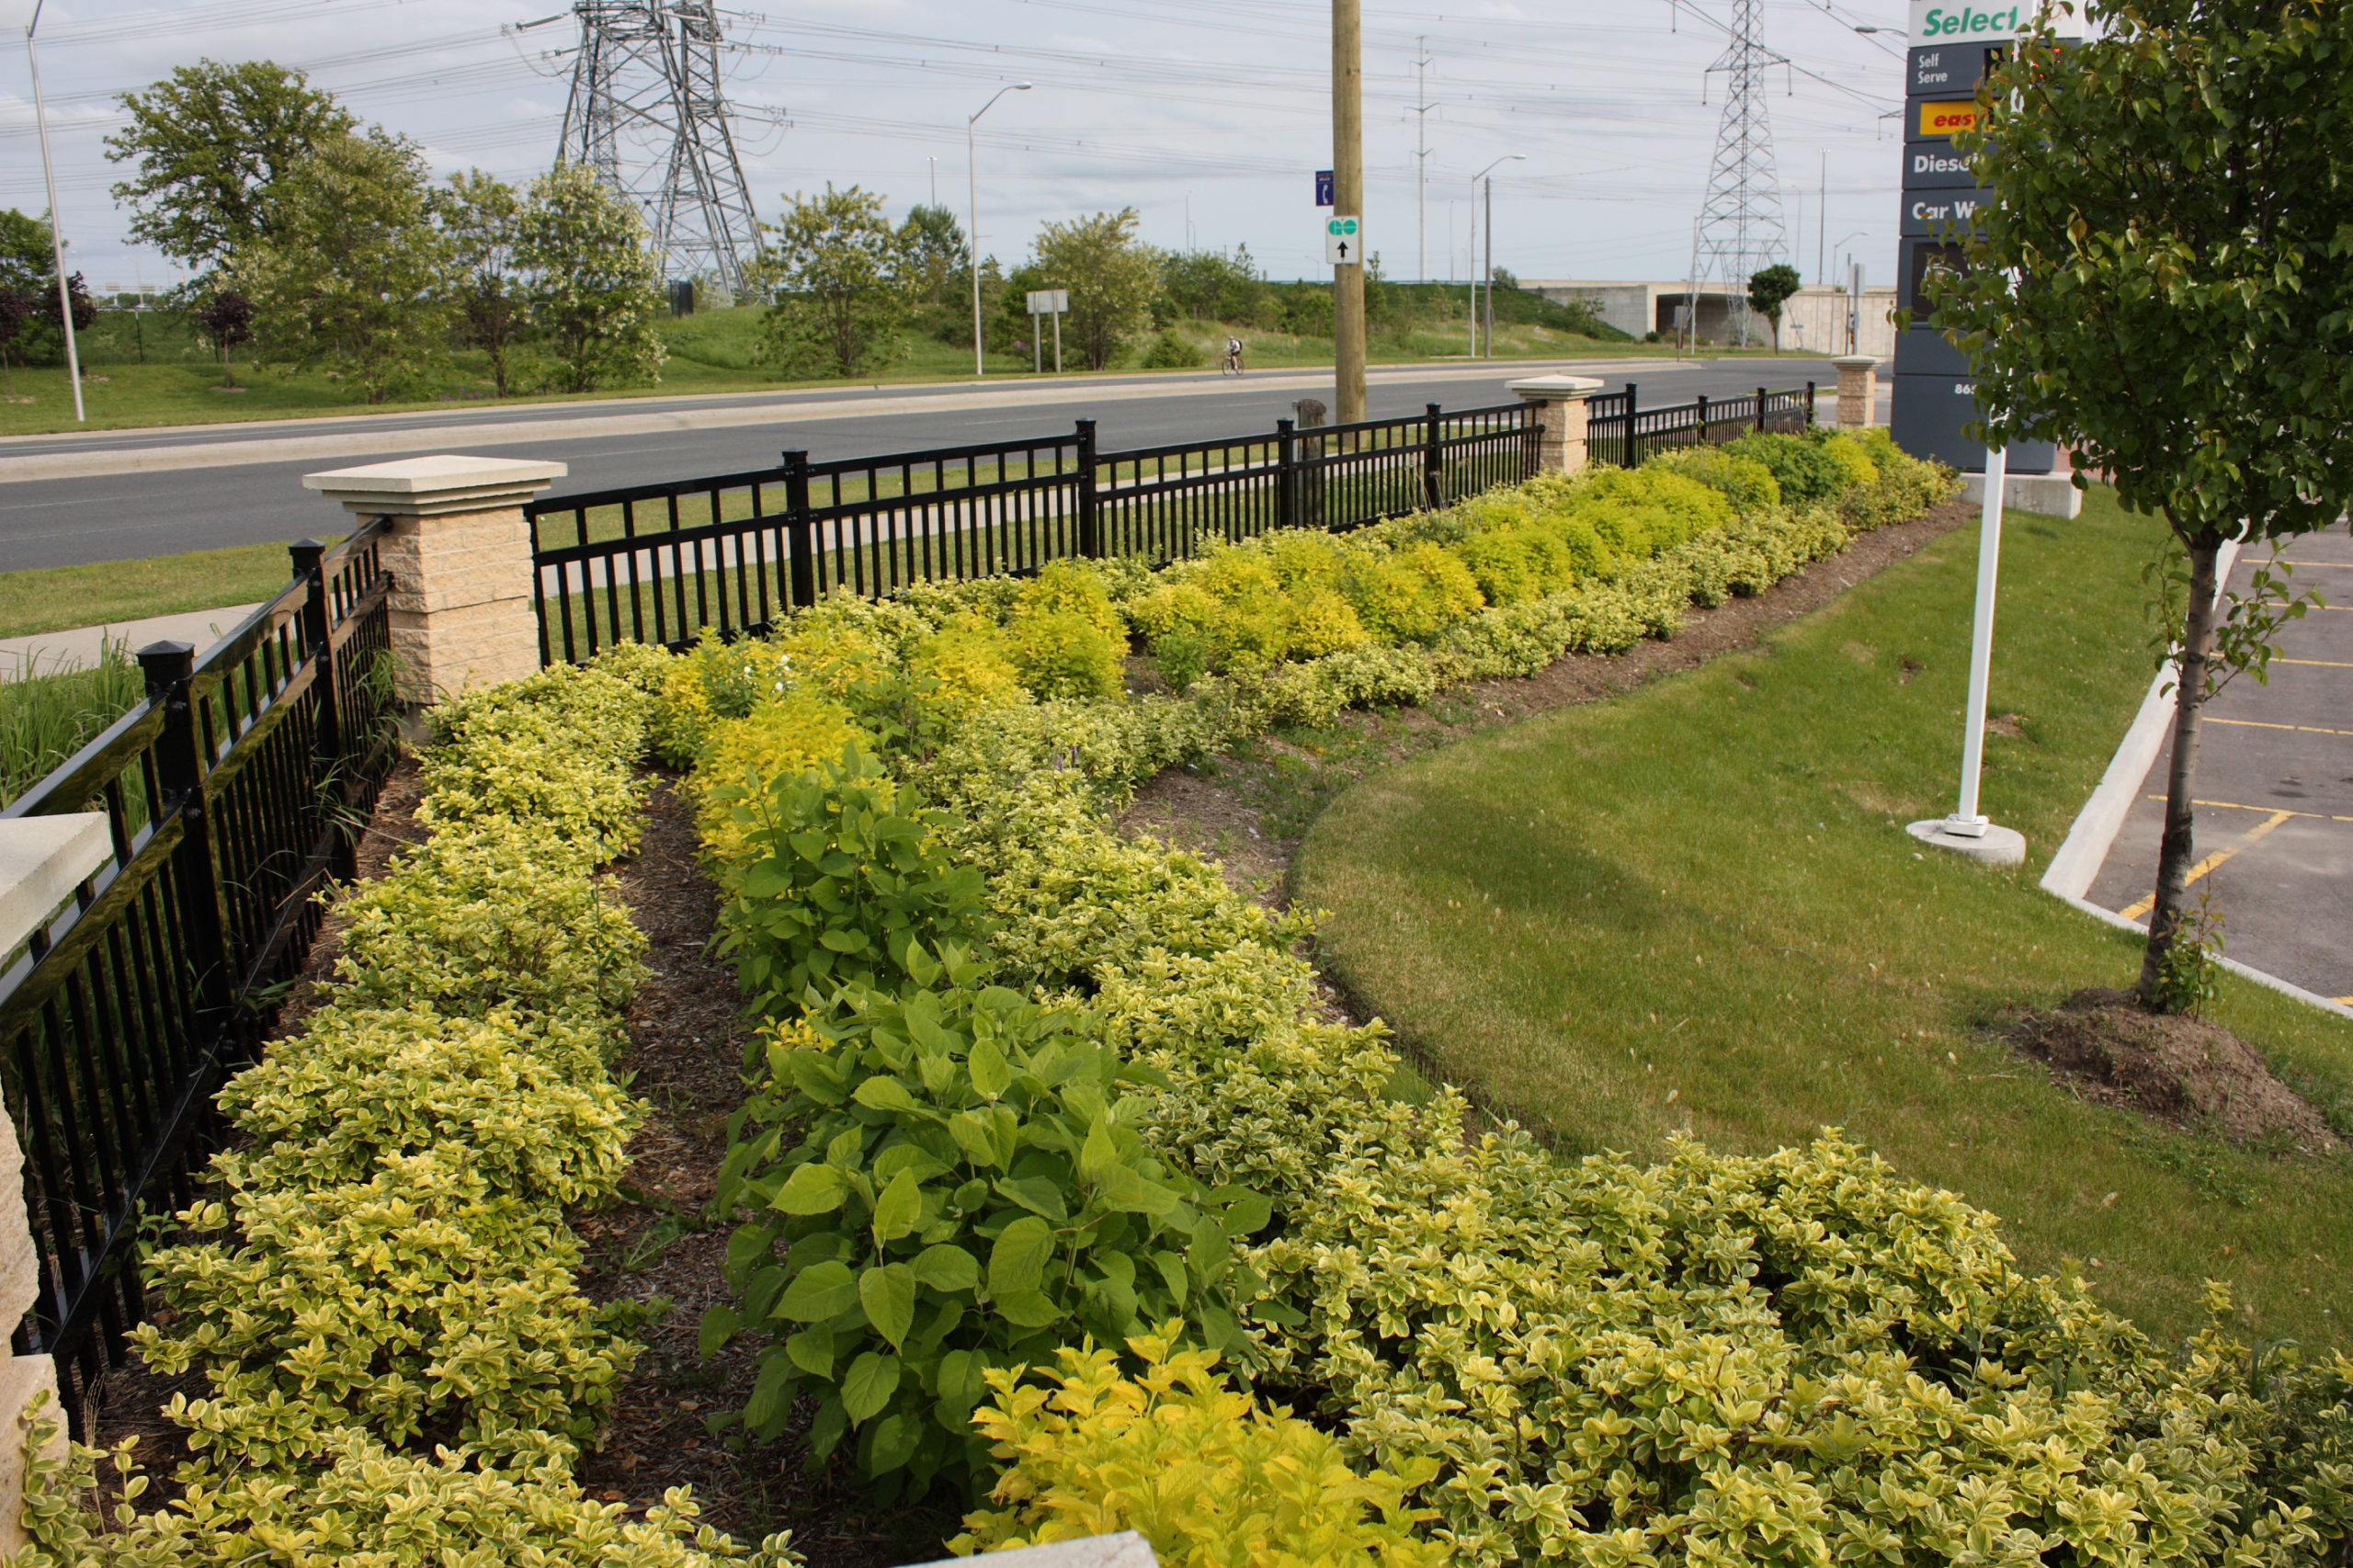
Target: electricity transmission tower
{"x": 648, "y": 113}
{"x": 1740, "y": 231}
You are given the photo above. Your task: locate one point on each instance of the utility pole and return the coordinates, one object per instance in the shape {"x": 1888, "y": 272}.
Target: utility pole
{"x": 1347, "y": 200}
{"x": 57, "y": 226}
{"x": 1485, "y": 177}
{"x": 1421, "y": 161}
{"x": 1740, "y": 228}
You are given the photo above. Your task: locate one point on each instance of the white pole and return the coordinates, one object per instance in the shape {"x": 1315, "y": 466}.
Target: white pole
{"x": 1967, "y": 822}
{"x": 56, "y": 224}
{"x": 973, "y": 210}
{"x": 1057, "y": 342}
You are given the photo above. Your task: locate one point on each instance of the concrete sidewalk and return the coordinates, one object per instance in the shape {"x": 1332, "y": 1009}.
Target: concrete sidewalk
{"x": 46, "y": 652}
{"x": 2275, "y": 795}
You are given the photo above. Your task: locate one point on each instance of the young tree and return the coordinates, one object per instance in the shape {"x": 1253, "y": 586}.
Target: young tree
{"x": 2164, "y": 282}
{"x": 595, "y": 287}
{"x": 1110, "y": 276}
{"x": 349, "y": 265}
{"x": 18, "y": 309}
{"x": 843, "y": 282}
{"x": 481, "y": 216}
{"x": 208, "y": 142}
{"x": 28, "y": 270}
{"x": 226, "y": 319}
{"x": 938, "y": 258}
{"x": 1769, "y": 289}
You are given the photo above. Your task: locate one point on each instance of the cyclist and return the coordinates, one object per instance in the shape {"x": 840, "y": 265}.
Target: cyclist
{"x": 1232, "y": 356}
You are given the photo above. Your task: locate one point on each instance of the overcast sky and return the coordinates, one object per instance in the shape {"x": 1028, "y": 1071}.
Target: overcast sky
{"x": 1209, "y": 116}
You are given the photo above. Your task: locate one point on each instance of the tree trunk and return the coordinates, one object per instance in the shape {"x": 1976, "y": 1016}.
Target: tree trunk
{"x": 2174, "y": 857}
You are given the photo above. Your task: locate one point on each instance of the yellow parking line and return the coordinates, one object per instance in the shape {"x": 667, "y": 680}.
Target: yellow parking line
{"x": 2236, "y": 806}
{"x": 2259, "y": 724}
{"x": 2207, "y": 864}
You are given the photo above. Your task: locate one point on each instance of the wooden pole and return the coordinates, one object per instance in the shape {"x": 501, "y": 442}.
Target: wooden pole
{"x": 1348, "y": 201}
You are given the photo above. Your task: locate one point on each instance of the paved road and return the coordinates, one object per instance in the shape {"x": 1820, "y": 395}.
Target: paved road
{"x": 161, "y": 507}
{"x": 2275, "y": 795}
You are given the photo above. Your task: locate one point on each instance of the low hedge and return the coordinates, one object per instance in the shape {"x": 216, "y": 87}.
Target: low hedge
{"x": 1800, "y": 1357}
{"x": 384, "y": 1298}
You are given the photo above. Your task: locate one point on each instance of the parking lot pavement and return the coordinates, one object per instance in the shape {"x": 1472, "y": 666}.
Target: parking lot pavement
{"x": 2275, "y": 795}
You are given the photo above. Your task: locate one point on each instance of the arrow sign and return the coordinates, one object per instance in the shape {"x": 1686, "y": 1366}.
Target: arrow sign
{"x": 1343, "y": 241}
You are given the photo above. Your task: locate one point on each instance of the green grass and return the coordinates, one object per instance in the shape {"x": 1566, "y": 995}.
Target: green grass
{"x": 715, "y": 351}
{"x": 1695, "y": 907}
{"x": 46, "y": 719}
{"x": 54, "y": 598}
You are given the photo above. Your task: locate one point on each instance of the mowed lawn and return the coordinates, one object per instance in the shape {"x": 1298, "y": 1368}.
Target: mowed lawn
{"x": 1695, "y": 908}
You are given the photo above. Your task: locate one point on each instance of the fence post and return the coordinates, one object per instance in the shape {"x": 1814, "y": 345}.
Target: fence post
{"x": 799, "y": 530}
{"x": 1090, "y": 511}
{"x": 1561, "y": 418}
{"x": 1858, "y": 390}
{"x": 1433, "y": 458}
{"x": 179, "y": 774}
{"x": 1760, "y": 411}
{"x": 1809, "y": 406}
{"x": 1634, "y": 439}
{"x": 1707, "y": 438}
{"x": 327, "y": 684}
{"x": 1286, "y": 475}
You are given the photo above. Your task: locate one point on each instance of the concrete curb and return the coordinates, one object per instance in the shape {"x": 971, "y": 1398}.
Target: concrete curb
{"x": 756, "y": 409}
{"x": 2073, "y": 869}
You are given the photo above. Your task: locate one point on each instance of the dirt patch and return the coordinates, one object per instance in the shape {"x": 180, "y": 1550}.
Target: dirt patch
{"x": 2191, "y": 1076}
{"x": 1248, "y": 810}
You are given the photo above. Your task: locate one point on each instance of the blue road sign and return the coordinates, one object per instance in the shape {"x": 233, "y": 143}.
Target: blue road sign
{"x": 1323, "y": 187}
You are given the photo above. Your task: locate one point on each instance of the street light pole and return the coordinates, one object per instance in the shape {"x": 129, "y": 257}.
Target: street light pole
{"x": 56, "y": 225}
{"x": 972, "y": 211}
{"x": 1489, "y": 269}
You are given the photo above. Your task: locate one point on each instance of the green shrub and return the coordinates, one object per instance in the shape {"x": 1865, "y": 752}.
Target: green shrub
{"x": 1062, "y": 654}
{"x": 964, "y": 1193}
{"x": 1802, "y": 468}
{"x": 781, "y": 738}
{"x": 838, "y": 883}
{"x": 1747, "y": 483}
{"x": 1850, "y": 454}
{"x": 417, "y": 1304}
{"x": 1209, "y": 1478}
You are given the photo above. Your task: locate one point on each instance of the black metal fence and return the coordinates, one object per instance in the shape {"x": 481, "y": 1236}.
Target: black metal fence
{"x": 231, "y": 792}
{"x": 661, "y": 562}
{"x": 1620, "y": 431}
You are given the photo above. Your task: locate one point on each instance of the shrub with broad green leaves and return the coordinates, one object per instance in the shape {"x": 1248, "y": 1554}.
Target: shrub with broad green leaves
{"x": 1748, "y": 484}
{"x": 1209, "y": 1477}
{"x": 942, "y": 1184}
{"x": 1804, "y": 469}
{"x": 779, "y": 737}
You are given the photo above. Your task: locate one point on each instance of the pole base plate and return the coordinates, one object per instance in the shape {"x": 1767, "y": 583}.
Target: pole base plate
{"x": 1999, "y": 846}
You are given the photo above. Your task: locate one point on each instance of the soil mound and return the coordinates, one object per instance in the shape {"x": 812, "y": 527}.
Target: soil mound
{"x": 2189, "y": 1074}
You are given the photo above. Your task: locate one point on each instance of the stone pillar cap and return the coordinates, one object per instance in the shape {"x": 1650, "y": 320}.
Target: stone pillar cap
{"x": 435, "y": 486}
{"x": 1556, "y": 388}
{"x": 1854, "y": 361}
{"x": 43, "y": 860}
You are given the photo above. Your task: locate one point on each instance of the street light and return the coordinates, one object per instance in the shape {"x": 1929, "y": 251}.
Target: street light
{"x": 1899, "y": 32}
{"x": 972, "y": 208}
{"x": 1490, "y": 267}
{"x": 56, "y": 226}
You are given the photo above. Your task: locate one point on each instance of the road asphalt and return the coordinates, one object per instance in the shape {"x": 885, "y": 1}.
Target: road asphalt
{"x": 2274, "y": 819}
{"x": 112, "y": 495}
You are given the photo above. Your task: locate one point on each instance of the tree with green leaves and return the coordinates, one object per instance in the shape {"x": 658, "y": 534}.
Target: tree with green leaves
{"x": 1112, "y": 277}
{"x": 1769, "y": 289}
{"x": 225, "y": 319}
{"x": 2164, "y": 282}
{"x": 481, "y": 216}
{"x": 844, "y": 284}
{"x": 596, "y": 287}
{"x": 939, "y": 259}
{"x": 207, "y": 144}
{"x": 349, "y": 267}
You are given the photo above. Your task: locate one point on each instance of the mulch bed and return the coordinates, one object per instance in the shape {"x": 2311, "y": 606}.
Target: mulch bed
{"x": 2189, "y": 1074}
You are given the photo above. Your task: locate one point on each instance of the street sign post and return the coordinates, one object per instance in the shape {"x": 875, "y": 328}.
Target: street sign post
{"x": 1343, "y": 241}
{"x": 1323, "y": 187}
{"x": 1052, "y": 302}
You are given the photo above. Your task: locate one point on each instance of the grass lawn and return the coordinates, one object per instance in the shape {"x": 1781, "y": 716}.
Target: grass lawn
{"x": 54, "y": 598}
{"x": 715, "y": 351}
{"x": 1695, "y": 908}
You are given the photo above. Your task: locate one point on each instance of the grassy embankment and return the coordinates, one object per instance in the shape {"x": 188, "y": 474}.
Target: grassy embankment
{"x": 157, "y": 375}
{"x": 1694, "y": 908}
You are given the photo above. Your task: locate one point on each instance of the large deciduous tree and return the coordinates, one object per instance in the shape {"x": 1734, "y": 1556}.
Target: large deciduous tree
{"x": 2164, "y": 281}
{"x": 595, "y": 287}
{"x": 483, "y": 216}
{"x": 1769, "y": 290}
{"x": 1111, "y": 279}
{"x": 349, "y": 268}
{"x": 207, "y": 144}
{"x": 845, "y": 283}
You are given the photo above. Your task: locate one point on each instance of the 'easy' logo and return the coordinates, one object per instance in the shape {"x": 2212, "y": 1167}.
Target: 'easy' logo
{"x": 1948, "y": 118}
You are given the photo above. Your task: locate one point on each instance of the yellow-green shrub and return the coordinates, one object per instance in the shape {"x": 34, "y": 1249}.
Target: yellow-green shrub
{"x": 1172, "y": 606}
{"x": 1322, "y": 623}
{"x": 1852, "y": 456}
{"x": 1303, "y": 559}
{"x": 967, "y": 660}
{"x": 1209, "y": 1477}
{"x": 1748, "y": 484}
{"x": 1073, "y": 588}
{"x": 780, "y": 737}
{"x": 1406, "y": 595}
{"x": 1067, "y": 654}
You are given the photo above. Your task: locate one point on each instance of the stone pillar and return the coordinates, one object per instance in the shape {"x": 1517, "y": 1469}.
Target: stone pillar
{"x": 42, "y": 861}
{"x": 1561, "y": 418}
{"x": 1858, "y": 390}
{"x": 460, "y": 553}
